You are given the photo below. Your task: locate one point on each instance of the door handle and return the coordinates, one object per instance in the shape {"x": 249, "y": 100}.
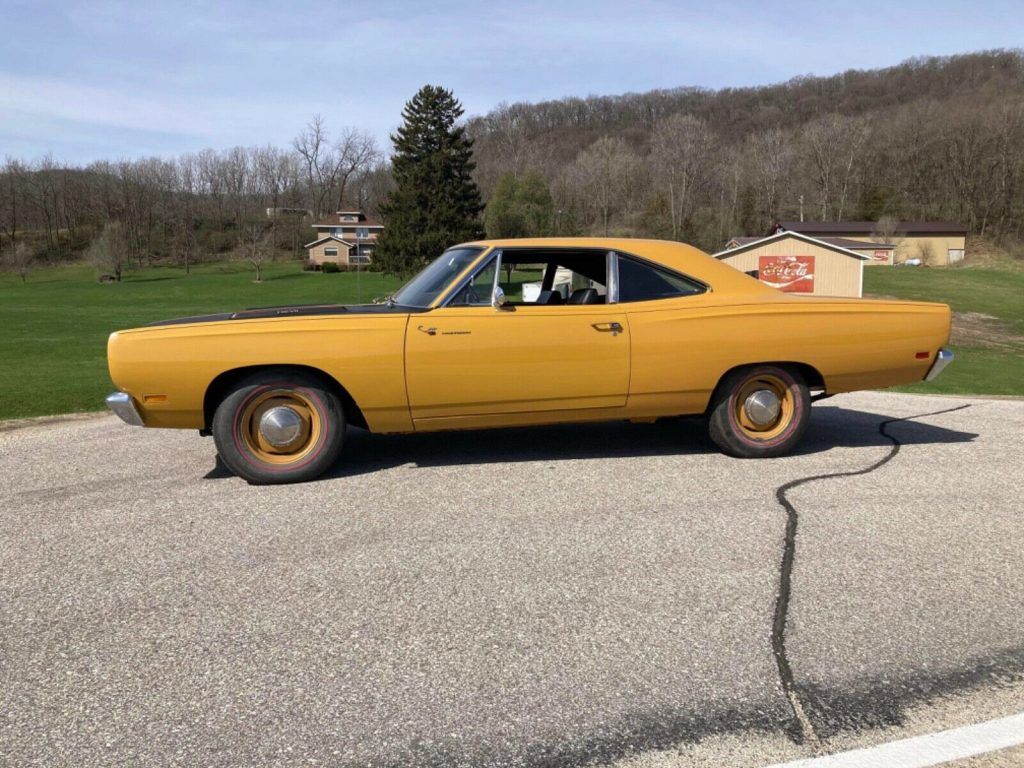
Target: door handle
{"x": 428, "y": 331}
{"x": 613, "y": 328}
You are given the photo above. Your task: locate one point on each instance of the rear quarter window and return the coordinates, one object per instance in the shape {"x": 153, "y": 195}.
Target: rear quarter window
{"x": 645, "y": 282}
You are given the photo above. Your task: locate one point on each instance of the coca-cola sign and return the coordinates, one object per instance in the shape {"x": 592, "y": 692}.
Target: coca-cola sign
{"x": 793, "y": 274}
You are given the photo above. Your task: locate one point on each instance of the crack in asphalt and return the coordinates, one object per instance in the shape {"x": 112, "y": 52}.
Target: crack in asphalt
{"x": 804, "y": 732}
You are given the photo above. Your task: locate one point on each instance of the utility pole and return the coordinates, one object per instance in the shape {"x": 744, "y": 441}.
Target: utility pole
{"x": 359, "y": 267}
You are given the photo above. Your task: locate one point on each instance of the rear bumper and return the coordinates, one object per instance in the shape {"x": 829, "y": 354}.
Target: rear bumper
{"x": 122, "y": 404}
{"x": 944, "y": 358}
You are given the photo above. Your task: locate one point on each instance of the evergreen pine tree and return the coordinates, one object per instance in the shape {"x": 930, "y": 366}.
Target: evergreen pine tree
{"x": 535, "y": 205}
{"x": 435, "y": 203}
{"x": 520, "y": 207}
{"x": 503, "y": 218}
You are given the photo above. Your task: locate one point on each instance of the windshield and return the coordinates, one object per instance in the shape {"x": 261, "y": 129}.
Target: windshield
{"x": 423, "y": 289}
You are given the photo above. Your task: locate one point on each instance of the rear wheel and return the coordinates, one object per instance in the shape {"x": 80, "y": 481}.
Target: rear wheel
{"x": 279, "y": 427}
{"x": 759, "y": 412}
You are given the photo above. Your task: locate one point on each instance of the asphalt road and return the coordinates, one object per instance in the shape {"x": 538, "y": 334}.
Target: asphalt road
{"x": 534, "y": 597}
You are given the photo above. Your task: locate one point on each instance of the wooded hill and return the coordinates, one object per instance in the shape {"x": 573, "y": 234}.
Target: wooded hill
{"x": 936, "y": 137}
{"x": 931, "y": 138}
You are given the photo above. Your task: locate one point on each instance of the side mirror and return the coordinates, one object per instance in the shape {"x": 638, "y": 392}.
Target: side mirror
{"x": 498, "y": 297}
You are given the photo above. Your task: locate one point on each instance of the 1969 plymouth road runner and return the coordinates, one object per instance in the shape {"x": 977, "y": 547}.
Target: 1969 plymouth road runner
{"x": 516, "y": 332}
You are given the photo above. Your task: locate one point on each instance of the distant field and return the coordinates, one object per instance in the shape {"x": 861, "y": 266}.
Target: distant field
{"x": 53, "y": 330}
{"x": 988, "y": 322}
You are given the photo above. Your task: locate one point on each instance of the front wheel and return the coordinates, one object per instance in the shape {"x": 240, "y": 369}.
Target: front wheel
{"x": 279, "y": 427}
{"x": 759, "y": 412}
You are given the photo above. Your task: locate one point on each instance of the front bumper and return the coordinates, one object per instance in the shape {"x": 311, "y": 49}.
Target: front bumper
{"x": 944, "y": 358}
{"x": 122, "y": 404}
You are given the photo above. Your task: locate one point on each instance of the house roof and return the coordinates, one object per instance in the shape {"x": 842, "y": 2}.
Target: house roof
{"x": 326, "y": 238}
{"x": 334, "y": 221}
{"x": 842, "y": 242}
{"x": 869, "y": 227}
{"x": 755, "y": 242}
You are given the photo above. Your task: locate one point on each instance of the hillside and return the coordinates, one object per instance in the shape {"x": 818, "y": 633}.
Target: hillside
{"x": 935, "y": 137}
{"x": 931, "y": 138}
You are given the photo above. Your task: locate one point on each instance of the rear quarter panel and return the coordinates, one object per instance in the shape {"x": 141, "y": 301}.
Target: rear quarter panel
{"x": 363, "y": 354}
{"x": 680, "y": 350}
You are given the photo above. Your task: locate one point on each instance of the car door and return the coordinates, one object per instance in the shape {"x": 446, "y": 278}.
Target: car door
{"x": 478, "y": 360}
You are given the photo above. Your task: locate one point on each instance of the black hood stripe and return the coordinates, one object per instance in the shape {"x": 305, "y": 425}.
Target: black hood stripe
{"x": 304, "y": 310}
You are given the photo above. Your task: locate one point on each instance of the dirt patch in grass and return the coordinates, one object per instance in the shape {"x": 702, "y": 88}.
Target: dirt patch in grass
{"x": 976, "y": 329}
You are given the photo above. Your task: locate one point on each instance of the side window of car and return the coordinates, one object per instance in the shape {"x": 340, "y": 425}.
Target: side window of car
{"x": 477, "y": 292}
{"x": 644, "y": 282}
{"x": 521, "y": 281}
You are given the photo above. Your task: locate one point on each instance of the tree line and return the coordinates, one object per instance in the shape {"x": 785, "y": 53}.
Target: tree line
{"x": 932, "y": 138}
{"x": 197, "y": 205}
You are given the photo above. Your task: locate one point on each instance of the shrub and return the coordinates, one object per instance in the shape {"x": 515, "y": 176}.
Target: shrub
{"x": 330, "y": 266}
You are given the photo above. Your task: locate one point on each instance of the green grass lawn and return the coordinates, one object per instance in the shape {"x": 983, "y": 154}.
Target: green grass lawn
{"x": 989, "y": 361}
{"x": 53, "y": 329}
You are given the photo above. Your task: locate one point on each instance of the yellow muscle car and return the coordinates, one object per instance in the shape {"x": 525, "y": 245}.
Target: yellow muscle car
{"x": 517, "y": 332}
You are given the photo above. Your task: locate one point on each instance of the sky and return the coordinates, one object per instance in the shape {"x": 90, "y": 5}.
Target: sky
{"x": 109, "y": 80}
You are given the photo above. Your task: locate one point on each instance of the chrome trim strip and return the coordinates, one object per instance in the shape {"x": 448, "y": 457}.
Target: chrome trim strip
{"x": 612, "y": 289}
{"x": 496, "y": 286}
{"x": 944, "y": 358}
{"x": 122, "y": 404}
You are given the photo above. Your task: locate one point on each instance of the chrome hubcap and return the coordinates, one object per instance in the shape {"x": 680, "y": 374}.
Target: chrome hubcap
{"x": 281, "y": 426}
{"x": 762, "y": 407}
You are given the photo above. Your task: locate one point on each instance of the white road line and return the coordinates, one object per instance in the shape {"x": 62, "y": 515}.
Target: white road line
{"x": 930, "y": 749}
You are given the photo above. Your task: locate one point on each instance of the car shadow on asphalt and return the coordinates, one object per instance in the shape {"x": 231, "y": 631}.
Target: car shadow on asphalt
{"x": 830, "y": 427}
{"x": 835, "y": 427}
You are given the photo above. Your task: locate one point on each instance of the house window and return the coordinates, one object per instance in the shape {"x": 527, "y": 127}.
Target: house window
{"x": 349, "y": 218}
{"x": 362, "y": 232}
{"x": 330, "y": 251}
{"x": 336, "y": 231}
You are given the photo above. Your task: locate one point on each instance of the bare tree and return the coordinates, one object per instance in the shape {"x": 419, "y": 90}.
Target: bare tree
{"x": 20, "y": 260}
{"x": 606, "y": 174}
{"x": 834, "y": 145}
{"x": 254, "y": 249}
{"x": 109, "y": 252}
{"x": 680, "y": 160}
{"x": 773, "y": 156}
{"x": 12, "y": 186}
{"x": 318, "y": 161}
{"x": 355, "y": 152}
{"x": 885, "y": 230}
{"x": 926, "y": 252}
{"x": 186, "y": 185}
{"x": 372, "y": 186}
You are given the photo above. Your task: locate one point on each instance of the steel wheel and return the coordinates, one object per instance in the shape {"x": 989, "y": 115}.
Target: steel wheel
{"x": 759, "y": 411}
{"x": 279, "y": 426}
{"x": 763, "y": 407}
